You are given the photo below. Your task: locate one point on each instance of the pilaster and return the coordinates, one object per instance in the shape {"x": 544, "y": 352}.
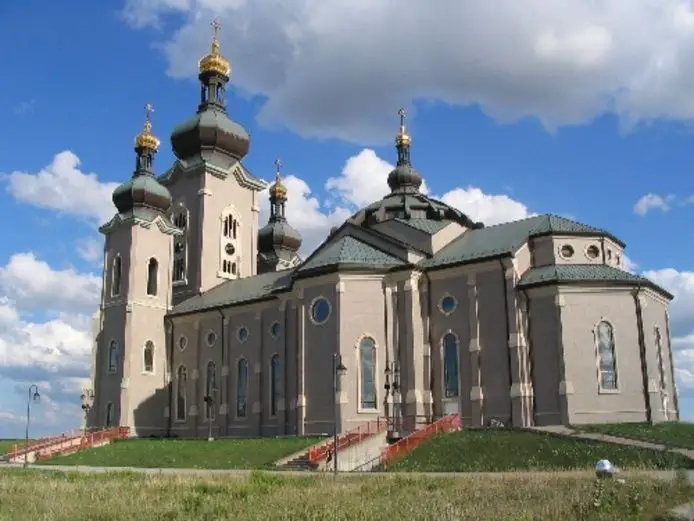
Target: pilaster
{"x": 475, "y": 348}
{"x": 413, "y": 357}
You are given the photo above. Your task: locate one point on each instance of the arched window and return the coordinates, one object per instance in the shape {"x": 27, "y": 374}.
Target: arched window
{"x": 181, "y": 393}
{"x": 451, "y": 365}
{"x": 659, "y": 355}
{"x": 229, "y": 246}
{"x": 116, "y": 276}
{"x": 112, "y": 356}
{"x": 211, "y": 388}
{"x": 607, "y": 363}
{"x": 367, "y": 372}
{"x": 109, "y": 415}
{"x": 152, "y": 276}
{"x": 242, "y": 388}
{"x": 180, "y": 220}
{"x": 275, "y": 383}
{"x": 148, "y": 357}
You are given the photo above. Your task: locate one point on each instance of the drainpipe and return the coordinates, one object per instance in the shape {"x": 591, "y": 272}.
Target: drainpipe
{"x": 218, "y": 394}
{"x": 508, "y": 332}
{"x": 642, "y": 352}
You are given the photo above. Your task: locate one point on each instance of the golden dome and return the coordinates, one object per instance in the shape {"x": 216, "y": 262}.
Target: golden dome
{"x": 215, "y": 62}
{"x": 403, "y": 138}
{"x": 278, "y": 189}
{"x": 146, "y": 139}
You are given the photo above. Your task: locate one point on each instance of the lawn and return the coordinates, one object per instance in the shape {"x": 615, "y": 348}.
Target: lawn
{"x": 56, "y": 496}
{"x": 673, "y": 434}
{"x": 6, "y": 445}
{"x": 228, "y": 453}
{"x": 493, "y": 450}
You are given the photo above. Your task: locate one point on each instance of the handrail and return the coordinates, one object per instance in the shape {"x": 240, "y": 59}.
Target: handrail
{"x": 407, "y": 444}
{"x": 351, "y": 437}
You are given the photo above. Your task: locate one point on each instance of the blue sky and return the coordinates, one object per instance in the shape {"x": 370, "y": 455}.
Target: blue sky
{"x": 582, "y": 110}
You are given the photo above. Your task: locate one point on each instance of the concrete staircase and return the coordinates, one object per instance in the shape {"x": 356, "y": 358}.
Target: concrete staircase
{"x": 300, "y": 463}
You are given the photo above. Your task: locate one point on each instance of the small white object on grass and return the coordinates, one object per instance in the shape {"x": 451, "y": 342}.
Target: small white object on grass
{"x": 605, "y": 469}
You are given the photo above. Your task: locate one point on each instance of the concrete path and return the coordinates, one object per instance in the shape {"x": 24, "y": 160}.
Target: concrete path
{"x": 566, "y": 431}
{"x": 653, "y": 474}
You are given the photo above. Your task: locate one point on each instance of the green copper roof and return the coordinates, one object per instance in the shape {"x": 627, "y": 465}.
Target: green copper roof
{"x": 425, "y": 225}
{"x": 238, "y": 291}
{"x": 584, "y": 273}
{"x": 349, "y": 252}
{"x": 505, "y": 239}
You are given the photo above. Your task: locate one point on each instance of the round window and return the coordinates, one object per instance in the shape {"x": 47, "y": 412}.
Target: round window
{"x": 229, "y": 248}
{"x": 242, "y": 334}
{"x": 448, "y": 304}
{"x": 211, "y": 338}
{"x": 567, "y": 251}
{"x": 182, "y": 342}
{"x": 320, "y": 310}
{"x": 592, "y": 252}
{"x": 275, "y": 329}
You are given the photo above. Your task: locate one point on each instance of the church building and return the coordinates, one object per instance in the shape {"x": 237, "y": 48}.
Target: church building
{"x": 410, "y": 310}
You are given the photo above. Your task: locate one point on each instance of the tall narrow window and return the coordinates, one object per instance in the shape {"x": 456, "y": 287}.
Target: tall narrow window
{"x": 367, "y": 372}
{"x": 451, "y": 366}
{"x": 116, "y": 276}
{"x": 659, "y": 355}
{"x": 211, "y": 389}
{"x": 229, "y": 246}
{"x": 112, "y": 356}
{"x": 242, "y": 389}
{"x": 275, "y": 383}
{"x": 181, "y": 393}
{"x": 152, "y": 276}
{"x": 148, "y": 357}
{"x": 180, "y": 220}
{"x": 109, "y": 415}
{"x": 606, "y": 356}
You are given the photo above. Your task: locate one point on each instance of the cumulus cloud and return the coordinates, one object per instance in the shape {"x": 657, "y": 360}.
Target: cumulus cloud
{"x": 341, "y": 69}
{"x": 90, "y": 249}
{"x": 653, "y": 202}
{"x": 62, "y": 186}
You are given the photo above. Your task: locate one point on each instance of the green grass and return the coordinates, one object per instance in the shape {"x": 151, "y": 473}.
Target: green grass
{"x": 493, "y": 450}
{"x": 6, "y": 445}
{"x": 228, "y": 453}
{"x": 53, "y": 496}
{"x": 672, "y": 434}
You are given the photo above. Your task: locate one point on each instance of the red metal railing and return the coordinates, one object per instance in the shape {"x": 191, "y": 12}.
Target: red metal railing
{"x": 403, "y": 447}
{"x": 346, "y": 439}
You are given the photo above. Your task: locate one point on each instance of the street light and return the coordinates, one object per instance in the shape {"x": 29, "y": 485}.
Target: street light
{"x": 210, "y": 400}
{"x": 339, "y": 370}
{"x": 35, "y": 396}
{"x": 87, "y": 398}
{"x": 392, "y": 387}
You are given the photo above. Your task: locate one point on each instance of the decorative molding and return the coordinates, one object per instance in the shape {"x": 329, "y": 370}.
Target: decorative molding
{"x": 522, "y": 390}
{"x": 301, "y": 400}
{"x": 476, "y": 394}
{"x": 129, "y": 307}
{"x": 120, "y": 220}
{"x": 566, "y": 387}
{"x": 340, "y": 287}
{"x": 474, "y": 345}
{"x": 413, "y": 396}
{"x": 225, "y": 370}
{"x": 559, "y": 301}
{"x": 124, "y": 382}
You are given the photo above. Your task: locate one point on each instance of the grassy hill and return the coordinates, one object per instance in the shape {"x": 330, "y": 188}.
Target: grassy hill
{"x": 671, "y": 434}
{"x": 493, "y": 450}
{"x": 227, "y": 453}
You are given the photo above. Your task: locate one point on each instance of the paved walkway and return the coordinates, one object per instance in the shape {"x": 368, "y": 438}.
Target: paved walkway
{"x": 565, "y": 431}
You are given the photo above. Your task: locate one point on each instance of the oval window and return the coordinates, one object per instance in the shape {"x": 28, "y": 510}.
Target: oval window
{"x": 448, "y": 304}
{"x": 182, "y": 342}
{"x": 275, "y": 330}
{"x": 567, "y": 251}
{"x": 242, "y": 334}
{"x": 593, "y": 252}
{"x": 320, "y": 310}
{"x": 211, "y": 338}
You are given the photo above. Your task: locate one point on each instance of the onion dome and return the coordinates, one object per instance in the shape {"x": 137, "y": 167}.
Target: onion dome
{"x": 404, "y": 178}
{"x": 210, "y": 129}
{"x": 277, "y": 240}
{"x": 143, "y": 189}
{"x": 215, "y": 62}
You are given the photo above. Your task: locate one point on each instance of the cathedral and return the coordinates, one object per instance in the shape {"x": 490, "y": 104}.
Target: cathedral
{"x": 410, "y": 310}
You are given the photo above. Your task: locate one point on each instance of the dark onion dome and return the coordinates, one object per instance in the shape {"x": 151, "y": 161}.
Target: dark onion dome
{"x": 210, "y": 128}
{"x": 143, "y": 189}
{"x": 405, "y": 201}
{"x": 278, "y": 235}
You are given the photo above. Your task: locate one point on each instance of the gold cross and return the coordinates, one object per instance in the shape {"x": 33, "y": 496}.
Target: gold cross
{"x": 216, "y": 26}
{"x": 148, "y": 111}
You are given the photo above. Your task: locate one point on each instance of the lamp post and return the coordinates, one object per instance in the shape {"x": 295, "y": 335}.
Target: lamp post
{"x": 87, "y": 398}
{"x": 392, "y": 387}
{"x": 339, "y": 370}
{"x": 33, "y": 396}
{"x": 210, "y": 400}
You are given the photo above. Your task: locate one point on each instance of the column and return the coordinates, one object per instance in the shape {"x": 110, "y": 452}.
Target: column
{"x": 413, "y": 347}
{"x": 475, "y": 348}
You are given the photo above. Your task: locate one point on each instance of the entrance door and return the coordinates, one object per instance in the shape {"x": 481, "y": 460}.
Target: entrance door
{"x": 450, "y": 407}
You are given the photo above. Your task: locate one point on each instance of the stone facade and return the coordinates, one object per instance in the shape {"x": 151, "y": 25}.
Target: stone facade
{"x": 533, "y": 322}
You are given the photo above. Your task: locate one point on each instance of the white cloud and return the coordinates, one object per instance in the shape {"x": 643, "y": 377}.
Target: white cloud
{"x": 91, "y": 250}
{"x": 32, "y": 284}
{"x": 341, "y": 69}
{"x": 363, "y": 180}
{"x": 62, "y": 186}
{"x": 653, "y": 202}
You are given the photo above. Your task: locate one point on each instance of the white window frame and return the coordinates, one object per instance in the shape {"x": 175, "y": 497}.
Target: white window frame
{"x": 601, "y": 389}
{"x": 442, "y": 349}
{"x": 360, "y": 407}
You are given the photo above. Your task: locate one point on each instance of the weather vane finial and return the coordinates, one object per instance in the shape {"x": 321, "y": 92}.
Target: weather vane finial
{"x": 403, "y": 114}
{"x": 148, "y": 112}
{"x": 216, "y": 26}
{"x": 278, "y": 164}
